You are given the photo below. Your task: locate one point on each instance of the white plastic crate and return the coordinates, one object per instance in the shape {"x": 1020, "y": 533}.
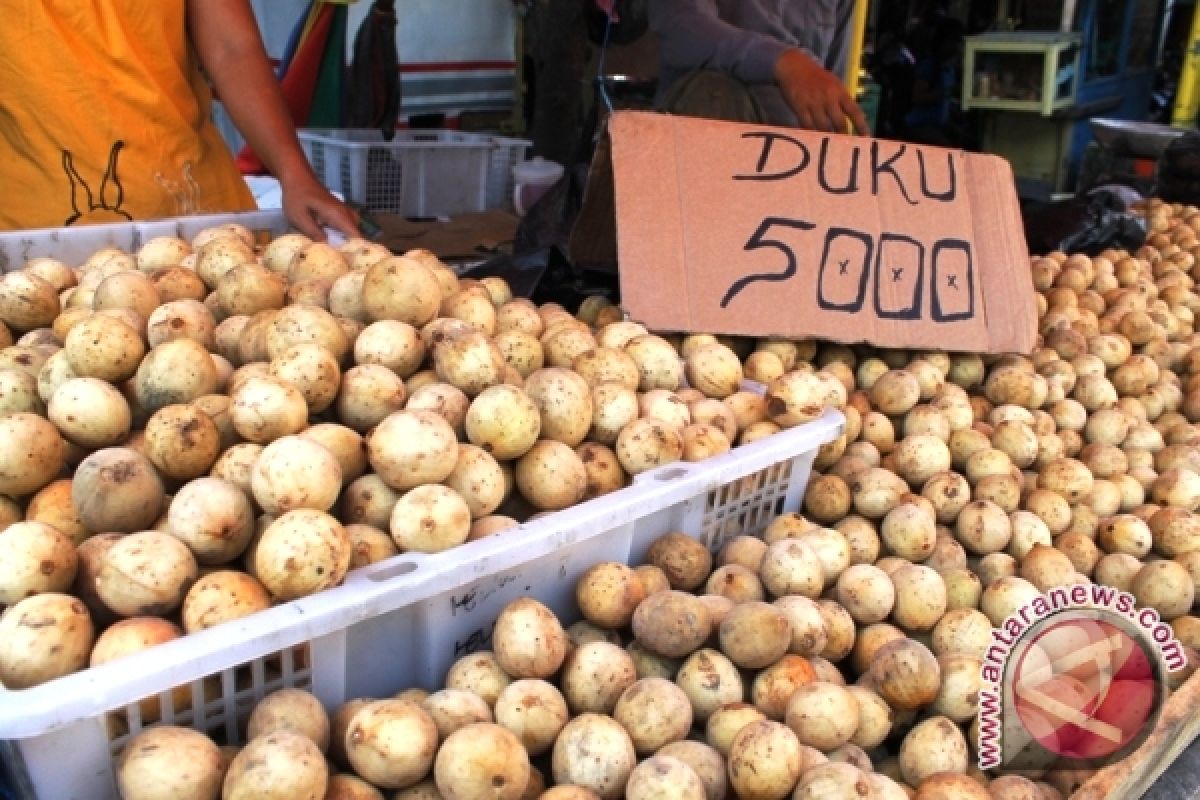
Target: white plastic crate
{"x": 73, "y": 245}
{"x": 418, "y": 173}
{"x": 395, "y": 624}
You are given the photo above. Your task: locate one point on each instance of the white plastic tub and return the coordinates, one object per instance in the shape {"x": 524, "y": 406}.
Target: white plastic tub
{"x": 418, "y": 173}
{"x": 395, "y": 624}
{"x": 73, "y": 245}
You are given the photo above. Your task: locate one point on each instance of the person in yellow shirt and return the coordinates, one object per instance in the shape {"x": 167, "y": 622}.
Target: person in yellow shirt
{"x": 105, "y": 115}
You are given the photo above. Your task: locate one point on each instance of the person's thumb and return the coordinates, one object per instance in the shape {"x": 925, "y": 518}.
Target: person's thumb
{"x": 305, "y": 222}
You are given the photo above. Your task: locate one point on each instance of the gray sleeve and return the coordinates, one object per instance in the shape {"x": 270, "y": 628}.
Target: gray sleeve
{"x": 693, "y": 36}
{"x": 839, "y": 45}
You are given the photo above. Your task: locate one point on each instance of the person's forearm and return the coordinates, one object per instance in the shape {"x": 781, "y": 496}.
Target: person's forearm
{"x": 692, "y": 36}
{"x": 225, "y": 36}
{"x": 229, "y": 46}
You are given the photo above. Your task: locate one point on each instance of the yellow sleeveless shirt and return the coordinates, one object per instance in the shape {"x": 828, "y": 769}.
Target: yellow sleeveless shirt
{"x": 105, "y": 117}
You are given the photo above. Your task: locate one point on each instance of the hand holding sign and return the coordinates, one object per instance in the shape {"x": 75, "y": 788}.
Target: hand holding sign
{"x": 816, "y": 95}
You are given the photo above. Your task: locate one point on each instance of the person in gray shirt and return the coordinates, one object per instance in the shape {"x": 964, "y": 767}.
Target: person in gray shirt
{"x": 777, "y": 62}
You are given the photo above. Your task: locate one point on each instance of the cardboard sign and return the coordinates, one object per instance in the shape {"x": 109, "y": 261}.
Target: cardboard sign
{"x": 760, "y": 231}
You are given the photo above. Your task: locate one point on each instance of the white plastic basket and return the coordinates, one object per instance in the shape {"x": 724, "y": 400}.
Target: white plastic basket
{"x": 395, "y": 624}
{"x": 418, "y": 173}
{"x": 73, "y": 245}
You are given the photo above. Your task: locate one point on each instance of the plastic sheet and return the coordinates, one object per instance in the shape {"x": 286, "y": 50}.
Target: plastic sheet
{"x": 1087, "y": 224}
{"x": 1179, "y": 170}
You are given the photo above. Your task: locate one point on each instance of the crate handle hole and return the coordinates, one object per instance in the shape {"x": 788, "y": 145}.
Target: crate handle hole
{"x": 670, "y": 474}
{"x": 394, "y": 571}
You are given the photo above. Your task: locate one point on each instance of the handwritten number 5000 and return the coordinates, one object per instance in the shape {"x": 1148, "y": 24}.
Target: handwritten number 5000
{"x": 952, "y": 279}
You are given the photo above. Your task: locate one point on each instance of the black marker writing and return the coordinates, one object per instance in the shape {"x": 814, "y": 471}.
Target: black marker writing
{"x": 897, "y": 262}
{"x": 480, "y": 639}
{"x": 792, "y": 156}
{"x": 464, "y": 602}
{"x": 468, "y": 601}
{"x": 902, "y": 299}
{"x": 759, "y": 240}
{"x": 888, "y": 166}
{"x": 952, "y": 258}
{"x": 846, "y": 247}
{"x": 946, "y": 196}
{"x": 851, "y": 184}
{"x": 768, "y": 142}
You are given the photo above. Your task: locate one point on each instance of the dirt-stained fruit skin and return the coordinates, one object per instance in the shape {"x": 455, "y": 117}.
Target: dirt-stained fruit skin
{"x": 204, "y": 429}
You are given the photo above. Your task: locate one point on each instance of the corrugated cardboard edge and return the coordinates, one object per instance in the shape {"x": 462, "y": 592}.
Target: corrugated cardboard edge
{"x": 593, "y": 240}
{"x": 631, "y": 133}
{"x": 1010, "y": 328}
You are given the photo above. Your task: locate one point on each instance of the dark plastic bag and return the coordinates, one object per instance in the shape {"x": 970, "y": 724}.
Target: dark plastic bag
{"x": 549, "y": 222}
{"x": 545, "y": 276}
{"x": 374, "y": 93}
{"x": 1179, "y": 170}
{"x": 540, "y": 268}
{"x": 1088, "y": 224}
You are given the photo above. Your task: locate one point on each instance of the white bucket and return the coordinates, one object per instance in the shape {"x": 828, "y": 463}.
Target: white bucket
{"x": 531, "y": 180}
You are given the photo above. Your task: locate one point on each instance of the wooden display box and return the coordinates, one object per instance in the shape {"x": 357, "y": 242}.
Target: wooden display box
{"x": 1032, "y": 72}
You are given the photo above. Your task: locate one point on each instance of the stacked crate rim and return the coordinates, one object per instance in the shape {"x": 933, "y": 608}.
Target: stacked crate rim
{"x": 419, "y": 173}
{"x": 73, "y": 245}
{"x": 397, "y": 623}
{"x": 400, "y": 622}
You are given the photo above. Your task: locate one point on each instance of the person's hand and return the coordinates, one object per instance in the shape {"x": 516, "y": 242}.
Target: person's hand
{"x": 310, "y": 207}
{"x": 815, "y": 94}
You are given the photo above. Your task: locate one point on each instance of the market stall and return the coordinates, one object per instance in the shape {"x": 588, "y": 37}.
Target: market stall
{"x": 836, "y": 491}
{"x": 1037, "y": 88}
